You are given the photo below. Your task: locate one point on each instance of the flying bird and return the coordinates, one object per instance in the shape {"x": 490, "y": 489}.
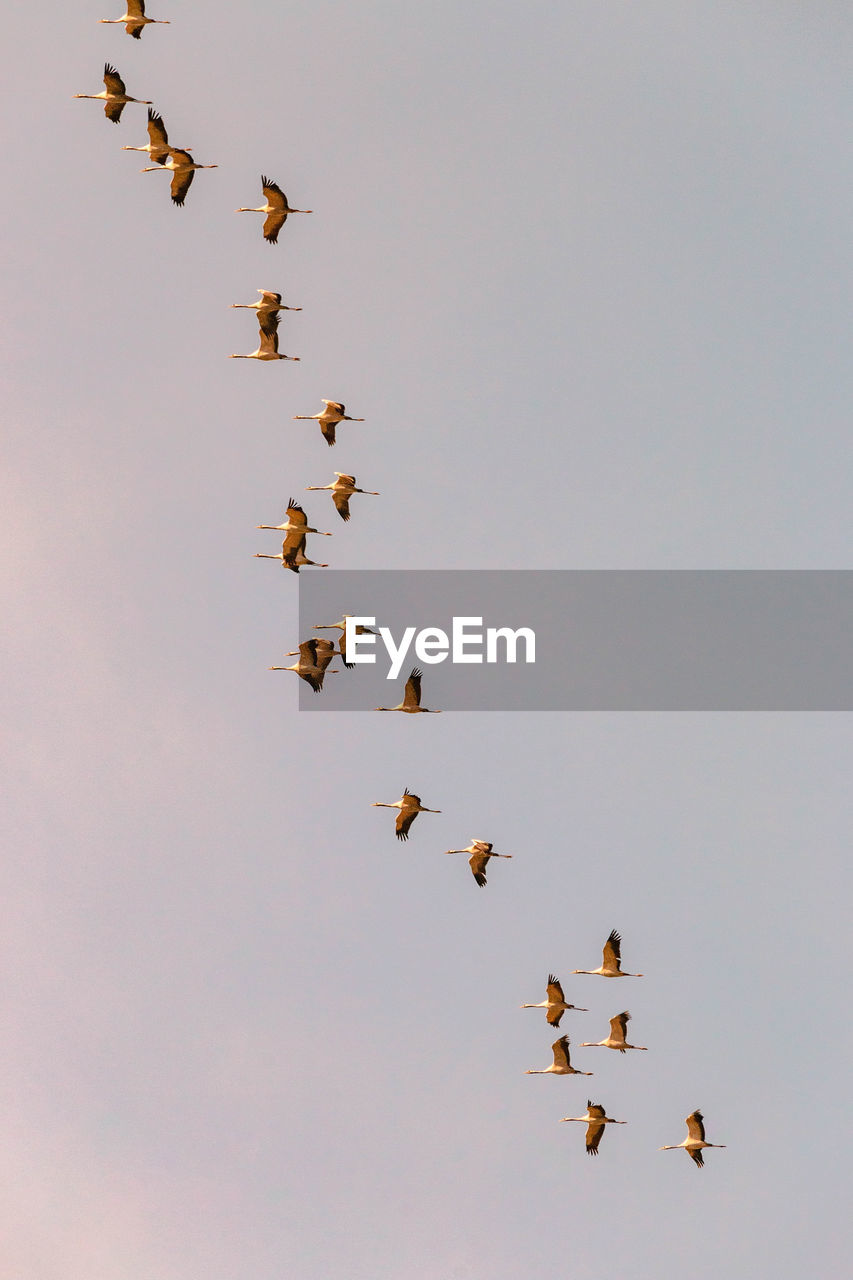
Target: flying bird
{"x": 157, "y": 145}
{"x": 595, "y": 1120}
{"x": 342, "y": 490}
{"x": 114, "y": 96}
{"x": 296, "y": 521}
{"x": 695, "y": 1140}
{"x": 561, "y": 1066}
{"x": 267, "y": 341}
{"x": 328, "y": 419}
{"x": 409, "y": 805}
{"x": 411, "y": 703}
{"x": 314, "y": 657}
{"x": 183, "y": 169}
{"x": 555, "y": 1003}
{"x": 296, "y": 530}
{"x": 611, "y": 960}
{"x": 480, "y": 851}
{"x": 342, "y": 643}
{"x": 267, "y": 302}
{"x": 135, "y": 19}
{"x": 276, "y": 208}
{"x": 616, "y": 1039}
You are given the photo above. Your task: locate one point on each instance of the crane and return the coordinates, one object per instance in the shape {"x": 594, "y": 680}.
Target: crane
{"x": 267, "y": 341}
{"x": 115, "y": 96}
{"x": 297, "y": 521}
{"x": 268, "y": 301}
{"x": 328, "y": 419}
{"x": 409, "y": 805}
{"x": 276, "y": 208}
{"x": 595, "y": 1120}
{"x": 611, "y": 960}
{"x": 480, "y": 851}
{"x": 616, "y": 1039}
{"x": 183, "y": 169}
{"x": 342, "y": 490}
{"x": 314, "y": 657}
{"x": 411, "y": 703}
{"x": 342, "y": 643}
{"x": 694, "y": 1143}
{"x": 561, "y": 1066}
{"x": 135, "y": 19}
{"x": 555, "y": 1003}
{"x": 157, "y": 145}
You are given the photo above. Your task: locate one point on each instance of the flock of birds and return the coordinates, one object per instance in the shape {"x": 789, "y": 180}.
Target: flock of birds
{"x": 314, "y": 656}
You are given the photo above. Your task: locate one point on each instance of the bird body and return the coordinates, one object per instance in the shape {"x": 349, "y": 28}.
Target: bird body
{"x": 411, "y": 703}
{"x": 410, "y": 806}
{"x": 267, "y": 302}
{"x": 328, "y": 419}
{"x": 611, "y": 960}
{"x": 157, "y": 145}
{"x": 314, "y": 657}
{"x": 561, "y": 1066}
{"x": 267, "y": 340}
{"x": 135, "y": 20}
{"x": 276, "y": 208}
{"x": 342, "y": 490}
{"x": 694, "y": 1143}
{"x": 616, "y": 1039}
{"x": 595, "y": 1120}
{"x": 480, "y": 851}
{"x": 114, "y": 96}
{"x": 555, "y": 1003}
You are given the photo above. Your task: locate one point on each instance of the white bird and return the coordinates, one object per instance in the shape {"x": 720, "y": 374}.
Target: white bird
{"x": 342, "y": 490}
{"x": 267, "y": 341}
{"x": 411, "y": 703}
{"x": 409, "y": 805}
{"x": 328, "y": 419}
{"x": 314, "y": 657}
{"x": 595, "y": 1120}
{"x": 611, "y": 960}
{"x": 695, "y": 1140}
{"x": 561, "y": 1066}
{"x": 555, "y": 1003}
{"x": 292, "y": 554}
{"x": 135, "y": 19}
{"x": 157, "y": 145}
{"x": 268, "y": 301}
{"x": 276, "y": 208}
{"x": 480, "y": 851}
{"x": 296, "y": 521}
{"x": 342, "y": 643}
{"x": 114, "y": 96}
{"x": 183, "y": 171}
{"x": 616, "y": 1039}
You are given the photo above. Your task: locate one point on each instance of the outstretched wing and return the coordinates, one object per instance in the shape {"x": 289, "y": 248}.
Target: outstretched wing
{"x": 696, "y": 1126}
{"x": 412, "y": 695}
{"x": 405, "y": 818}
{"x": 328, "y": 430}
{"x": 112, "y": 80}
{"x": 593, "y": 1137}
{"x": 695, "y": 1154}
{"x": 341, "y": 501}
{"x": 181, "y": 183}
{"x": 612, "y": 953}
{"x": 560, "y": 1049}
{"x": 113, "y": 110}
{"x": 478, "y": 862}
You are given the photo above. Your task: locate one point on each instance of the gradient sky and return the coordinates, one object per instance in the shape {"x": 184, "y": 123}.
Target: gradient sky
{"x": 585, "y": 270}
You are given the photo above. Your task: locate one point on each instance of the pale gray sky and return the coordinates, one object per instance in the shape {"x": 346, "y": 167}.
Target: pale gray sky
{"x": 585, "y": 261}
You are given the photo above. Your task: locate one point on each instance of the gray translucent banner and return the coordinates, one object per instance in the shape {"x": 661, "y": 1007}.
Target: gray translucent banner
{"x": 707, "y": 640}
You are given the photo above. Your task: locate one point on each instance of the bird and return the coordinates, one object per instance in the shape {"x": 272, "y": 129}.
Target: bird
{"x": 561, "y": 1066}
{"x": 183, "y": 171}
{"x": 555, "y": 1003}
{"x": 695, "y": 1140}
{"x": 157, "y": 145}
{"x": 342, "y": 643}
{"x": 268, "y": 301}
{"x": 480, "y": 851}
{"x": 342, "y": 490}
{"x": 595, "y": 1120}
{"x": 611, "y": 959}
{"x": 267, "y": 341}
{"x": 297, "y": 521}
{"x": 410, "y": 806}
{"x": 114, "y": 96}
{"x": 616, "y": 1039}
{"x": 411, "y": 703}
{"x": 328, "y": 419}
{"x": 314, "y": 657}
{"x": 135, "y": 19}
{"x": 276, "y": 208}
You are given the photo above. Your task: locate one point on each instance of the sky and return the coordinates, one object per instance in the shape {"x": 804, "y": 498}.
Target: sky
{"x": 584, "y": 269}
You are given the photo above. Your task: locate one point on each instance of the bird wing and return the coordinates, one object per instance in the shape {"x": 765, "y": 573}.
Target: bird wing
{"x": 274, "y": 194}
{"x": 619, "y": 1025}
{"x": 344, "y": 482}
{"x": 341, "y": 501}
{"x": 158, "y": 138}
{"x": 478, "y": 862}
{"x": 113, "y": 110}
{"x": 135, "y": 29}
{"x": 412, "y": 695}
{"x": 695, "y": 1125}
{"x": 328, "y": 430}
{"x": 695, "y": 1154}
{"x": 325, "y": 650}
{"x": 612, "y": 953}
{"x": 405, "y": 818}
{"x": 268, "y": 323}
{"x": 553, "y": 1016}
{"x": 181, "y": 182}
{"x": 296, "y": 513}
{"x": 560, "y": 1050}
{"x": 112, "y": 80}
{"x": 308, "y": 652}
{"x": 593, "y": 1137}
{"x": 293, "y": 545}
{"x": 269, "y": 298}
{"x": 555, "y": 991}
{"x": 136, "y": 8}
{"x": 273, "y": 223}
